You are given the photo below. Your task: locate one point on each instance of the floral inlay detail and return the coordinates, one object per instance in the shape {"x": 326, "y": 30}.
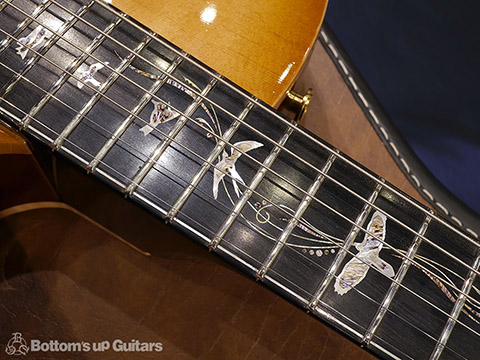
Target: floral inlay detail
{"x": 227, "y": 165}
{"x": 34, "y": 39}
{"x": 161, "y": 113}
{"x": 88, "y": 75}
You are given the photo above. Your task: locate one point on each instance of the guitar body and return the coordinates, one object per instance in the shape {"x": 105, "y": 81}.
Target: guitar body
{"x": 260, "y": 46}
{"x": 140, "y": 279}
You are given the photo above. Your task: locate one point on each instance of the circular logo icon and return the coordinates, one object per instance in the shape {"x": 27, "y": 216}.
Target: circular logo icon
{"x": 17, "y": 345}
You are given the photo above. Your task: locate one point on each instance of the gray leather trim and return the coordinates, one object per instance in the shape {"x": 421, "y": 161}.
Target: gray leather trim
{"x": 441, "y": 199}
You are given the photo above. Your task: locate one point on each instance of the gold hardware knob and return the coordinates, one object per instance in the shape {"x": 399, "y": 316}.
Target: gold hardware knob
{"x": 298, "y": 103}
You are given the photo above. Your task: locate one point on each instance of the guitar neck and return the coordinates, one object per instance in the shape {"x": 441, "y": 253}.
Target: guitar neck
{"x": 240, "y": 178}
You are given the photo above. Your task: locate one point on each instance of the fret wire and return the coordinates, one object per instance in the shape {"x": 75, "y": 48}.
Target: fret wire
{"x": 455, "y": 313}
{"x": 30, "y": 63}
{"x": 331, "y": 318}
{"x": 296, "y": 186}
{"x": 387, "y": 186}
{"x": 4, "y": 4}
{"x": 267, "y": 163}
{"x": 293, "y": 222}
{"x": 74, "y": 65}
{"x": 157, "y": 130}
{"x": 300, "y": 130}
{"x": 97, "y": 96}
{"x": 317, "y": 309}
{"x": 356, "y": 227}
{"x": 91, "y": 121}
{"x": 25, "y": 23}
{"x": 399, "y": 276}
{"x": 159, "y": 150}
{"x": 131, "y": 117}
{"x": 199, "y": 175}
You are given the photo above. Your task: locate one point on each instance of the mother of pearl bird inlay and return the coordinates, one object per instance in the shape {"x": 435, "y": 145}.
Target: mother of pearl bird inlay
{"x": 227, "y": 165}
{"x": 368, "y": 255}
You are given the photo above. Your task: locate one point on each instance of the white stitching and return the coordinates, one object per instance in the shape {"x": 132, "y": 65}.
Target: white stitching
{"x": 472, "y": 232}
{"x": 365, "y": 103}
{"x": 456, "y": 220}
{"x": 444, "y": 209}
{"x": 417, "y": 182}
{"x": 382, "y": 129}
{"x": 374, "y": 116}
{"x": 342, "y": 64}
{"x": 354, "y": 84}
{"x": 385, "y": 134}
{"x": 404, "y": 163}
{"x": 426, "y": 192}
{"x": 395, "y": 150}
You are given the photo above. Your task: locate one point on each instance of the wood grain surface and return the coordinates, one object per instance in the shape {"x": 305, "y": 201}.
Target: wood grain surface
{"x": 259, "y": 45}
{"x": 11, "y": 142}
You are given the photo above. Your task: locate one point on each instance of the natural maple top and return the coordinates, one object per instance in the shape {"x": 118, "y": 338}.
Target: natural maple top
{"x": 259, "y": 45}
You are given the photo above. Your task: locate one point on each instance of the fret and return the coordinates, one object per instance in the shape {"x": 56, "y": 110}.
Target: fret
{"x": 359, "y": 222}
{"x": 160, "y": 149}
{"x": 24, "y": 24}
{"x": 120, "y": 130}
{"x": 50, "y": 42}
{"x": 219, "y": 148}
{"x": 457, "y": 308}
{"x": 4, "y": 4}
{"x": 292, "y": 224}
{"x": 426, "y": 295}
{"x": 402, "y": 271}
{"x": 248, "y": 193}
{"x": 74, "y": 65}
{"x": 57, "y": 144}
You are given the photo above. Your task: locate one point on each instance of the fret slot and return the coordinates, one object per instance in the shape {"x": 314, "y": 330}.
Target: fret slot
{"x": 417, "y": 309}
{"x": 57, "y": 144}
{"x": 72, "y": 68}
{"x": 249, "y": 192}
{"x": 219, "y": 148}
{"x": 120, "y": 130}
{"x": 24, "y": 24}
{"x": 293, "y": 222}
{"x": 334, "y": 267}
{"x": 160, "y": 149}
{"x": 402, "y": 271}
{"x": 457, "y": 308}
{"x": 4, "y": 4}
{"x": 463, "y": 339}
{"x": 49, "y": 42}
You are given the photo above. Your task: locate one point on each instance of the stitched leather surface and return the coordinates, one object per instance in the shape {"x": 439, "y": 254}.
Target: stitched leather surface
{"x": 438, "y": 195}
{"x": 420, "y": 59}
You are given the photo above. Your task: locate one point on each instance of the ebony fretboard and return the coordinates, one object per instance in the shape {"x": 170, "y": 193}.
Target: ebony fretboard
{"x": 286, "y": 207}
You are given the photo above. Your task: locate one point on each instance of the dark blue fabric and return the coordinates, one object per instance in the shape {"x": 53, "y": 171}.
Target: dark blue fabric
{"x": 421, "y": 60}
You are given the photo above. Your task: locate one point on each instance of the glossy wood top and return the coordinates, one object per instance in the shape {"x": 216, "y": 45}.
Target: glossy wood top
{"x": 11, "y": 143}
{"x": 260, "y": 45}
